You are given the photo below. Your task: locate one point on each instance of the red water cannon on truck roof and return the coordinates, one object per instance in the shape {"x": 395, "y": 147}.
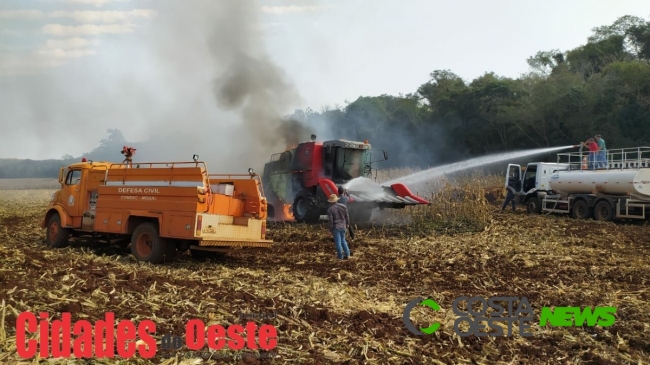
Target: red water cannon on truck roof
{"x": 298, "y": 181}
{"x": 614, "y": 188}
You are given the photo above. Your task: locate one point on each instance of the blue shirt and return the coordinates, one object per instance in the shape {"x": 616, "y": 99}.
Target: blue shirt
{"x": 601, "y": 145}
{"x": 343, "y": 200}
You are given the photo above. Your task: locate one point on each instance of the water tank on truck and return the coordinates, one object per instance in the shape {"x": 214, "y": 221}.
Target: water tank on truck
{"x": 609, "y": 182}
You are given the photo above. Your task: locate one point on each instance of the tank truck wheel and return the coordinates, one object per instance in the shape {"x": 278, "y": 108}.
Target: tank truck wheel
{"x": 56, "y": 236}
{"x": 146, "y": 245}
{"x": 533, "y": 206}
{"x": 603, "y": 211}
{"x": 581, "y": 210}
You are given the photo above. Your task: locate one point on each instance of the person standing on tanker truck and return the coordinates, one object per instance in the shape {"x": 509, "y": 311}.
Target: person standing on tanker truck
{"x": 339, "y": 223}
{"x": 602, "y": 152}
{"x": 593, "y": 152}
{"x": 514, "y": 185}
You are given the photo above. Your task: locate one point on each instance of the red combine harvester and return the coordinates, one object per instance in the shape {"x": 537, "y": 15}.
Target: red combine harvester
{"x": 298, "y": 181}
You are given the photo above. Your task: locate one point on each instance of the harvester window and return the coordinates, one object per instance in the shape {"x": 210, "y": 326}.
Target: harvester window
{"x": 74, "y": 177}
{"x": 349, "y": 163}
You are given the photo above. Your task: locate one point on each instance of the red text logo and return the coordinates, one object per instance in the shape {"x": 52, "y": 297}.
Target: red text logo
{"x": 101, "y": 339}
{"x": 101, "y": 334}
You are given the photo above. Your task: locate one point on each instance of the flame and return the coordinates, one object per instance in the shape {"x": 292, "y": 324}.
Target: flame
{"x": 291, "y": 146}
{"x": 284, "y": 214}
{"x": 288, "y": 214}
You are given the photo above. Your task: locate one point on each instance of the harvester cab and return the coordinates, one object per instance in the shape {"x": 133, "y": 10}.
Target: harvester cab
{"x": 346, "y": 160}
{"x": 298, "y": 181}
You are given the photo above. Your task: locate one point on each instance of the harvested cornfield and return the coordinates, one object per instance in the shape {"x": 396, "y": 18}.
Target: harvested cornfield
{"x": 350, "y": 312}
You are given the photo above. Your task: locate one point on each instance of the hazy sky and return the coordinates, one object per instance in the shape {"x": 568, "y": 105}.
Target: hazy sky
{"x": 70, "y": 69}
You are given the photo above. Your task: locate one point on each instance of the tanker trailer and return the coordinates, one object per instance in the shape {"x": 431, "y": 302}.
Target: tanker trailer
{"x": 620, "y": 190}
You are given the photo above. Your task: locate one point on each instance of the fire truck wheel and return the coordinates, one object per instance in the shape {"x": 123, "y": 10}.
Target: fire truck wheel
{"x": 146, "y": 245}
{"x": 56, "y": 236}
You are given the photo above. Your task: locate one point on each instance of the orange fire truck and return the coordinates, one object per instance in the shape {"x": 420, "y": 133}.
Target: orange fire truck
{"x": 161, "y": 209}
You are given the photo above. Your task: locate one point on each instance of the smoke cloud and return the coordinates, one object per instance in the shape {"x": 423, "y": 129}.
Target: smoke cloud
{"x": 196, "y": 79}
{"x": 250, "y": 82}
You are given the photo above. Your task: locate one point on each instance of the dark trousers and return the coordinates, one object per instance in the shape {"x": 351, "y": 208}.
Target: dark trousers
{"x": 510, "y": 197}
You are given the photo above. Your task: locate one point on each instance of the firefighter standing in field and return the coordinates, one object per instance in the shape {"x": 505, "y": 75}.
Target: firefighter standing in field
{"x": 339, "y": 222}
{"x": 514, "y": 185}
{"x": 344, "y": 196}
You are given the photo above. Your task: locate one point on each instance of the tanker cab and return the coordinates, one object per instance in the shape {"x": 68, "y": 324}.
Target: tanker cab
{"x": 71, "y": 195}
{"x": 530, "y": 177}
{"x": 514, "y": 173}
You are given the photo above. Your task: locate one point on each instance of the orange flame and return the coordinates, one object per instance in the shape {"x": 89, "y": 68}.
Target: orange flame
{"x": 284, "y": 214}
{"x": 288, "y": 214}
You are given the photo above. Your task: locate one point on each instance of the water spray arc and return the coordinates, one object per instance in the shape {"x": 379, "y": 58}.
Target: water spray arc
{"x": 440, "y": 171}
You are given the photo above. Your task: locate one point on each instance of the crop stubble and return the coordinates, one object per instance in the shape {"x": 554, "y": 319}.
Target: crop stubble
{"x": 350, "y": 312}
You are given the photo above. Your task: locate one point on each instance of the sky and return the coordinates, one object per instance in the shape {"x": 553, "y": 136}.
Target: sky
{"x": 201, "y": 76}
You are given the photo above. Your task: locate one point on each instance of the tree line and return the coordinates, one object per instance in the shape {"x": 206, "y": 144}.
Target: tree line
{"x": 601, "y": 87}
{"x": 17, "y": 168}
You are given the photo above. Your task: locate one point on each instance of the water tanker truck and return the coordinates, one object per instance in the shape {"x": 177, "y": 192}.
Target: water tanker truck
{"x": 298, "y": 181}
{"x": 619, "y": 188}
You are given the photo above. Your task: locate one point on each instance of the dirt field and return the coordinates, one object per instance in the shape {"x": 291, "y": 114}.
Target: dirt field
{"x": 350, "y": 312}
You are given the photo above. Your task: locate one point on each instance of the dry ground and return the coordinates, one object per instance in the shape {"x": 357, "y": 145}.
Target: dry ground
{"x": 350, "y": 312}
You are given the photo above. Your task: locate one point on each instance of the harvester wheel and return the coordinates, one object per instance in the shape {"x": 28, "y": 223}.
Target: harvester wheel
{"x": 603, "y": 211}
{"x": 146, "y": 245}
{"x": 533, "y": 206}
{"x": 56, "y": 236}
{"x": 581, "y": 210}
{"x": 304, "y": 212}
